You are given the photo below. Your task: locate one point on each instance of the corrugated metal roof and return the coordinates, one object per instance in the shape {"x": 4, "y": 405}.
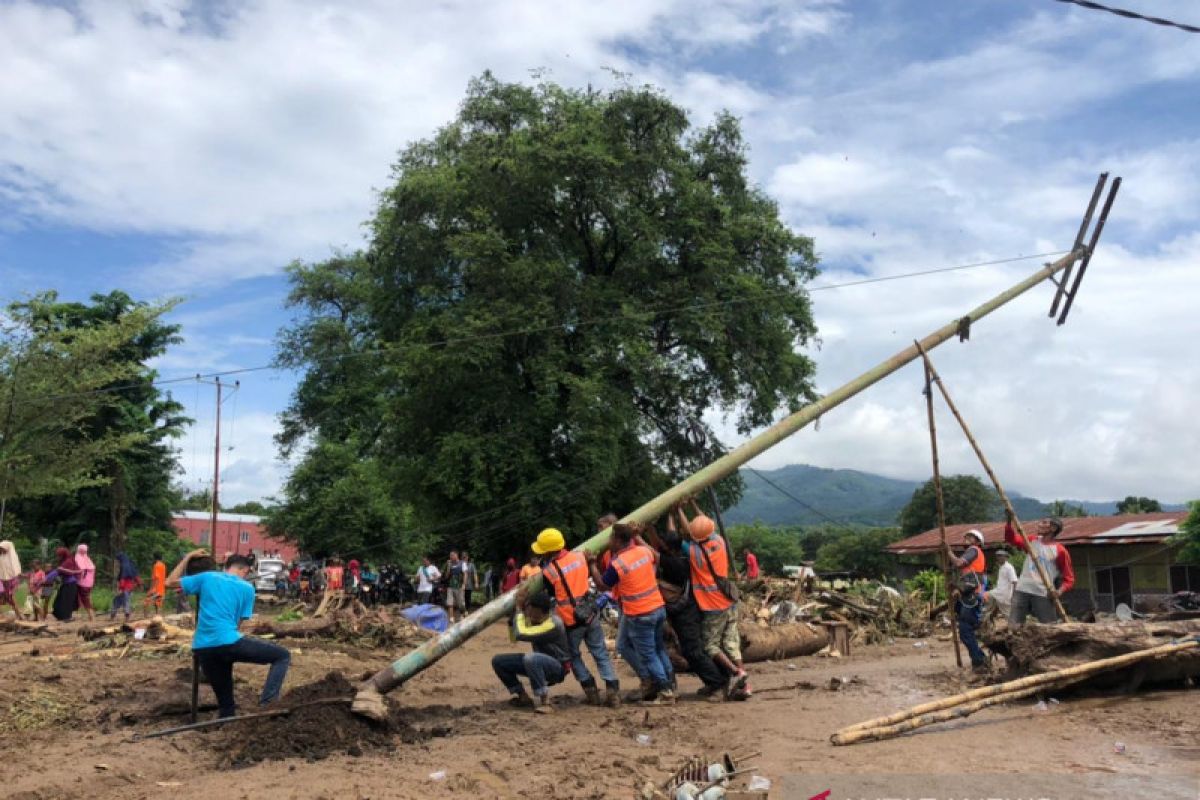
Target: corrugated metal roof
{"x": 221, "y": 517}
{"x": 1126, "y": 529}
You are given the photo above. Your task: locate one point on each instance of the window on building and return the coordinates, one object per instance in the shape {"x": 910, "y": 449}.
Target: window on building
{"x": 1185, "y": 578}
{"x": 204, "y": 537}
{"x": 245, "y": 537}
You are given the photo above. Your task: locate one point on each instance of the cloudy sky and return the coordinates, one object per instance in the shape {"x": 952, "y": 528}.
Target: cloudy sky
{"x": 191, "y": 149}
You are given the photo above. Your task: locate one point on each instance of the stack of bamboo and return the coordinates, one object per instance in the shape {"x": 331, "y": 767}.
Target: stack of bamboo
{"x": 967, "y": 703}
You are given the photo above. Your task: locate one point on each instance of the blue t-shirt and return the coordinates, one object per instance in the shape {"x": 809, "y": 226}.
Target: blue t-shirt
{"x": 225, "y": 600}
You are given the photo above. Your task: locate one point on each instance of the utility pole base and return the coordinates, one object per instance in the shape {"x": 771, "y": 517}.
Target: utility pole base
{"x": 369, "y": 703}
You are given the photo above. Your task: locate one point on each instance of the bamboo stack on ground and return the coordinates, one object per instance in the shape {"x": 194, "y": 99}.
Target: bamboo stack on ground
{"x": 966, "y": 703}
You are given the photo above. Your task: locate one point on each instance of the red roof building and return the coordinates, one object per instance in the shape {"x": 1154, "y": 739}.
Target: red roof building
{"x": 1120, "y": 559}
{"x": 235, "y": 533}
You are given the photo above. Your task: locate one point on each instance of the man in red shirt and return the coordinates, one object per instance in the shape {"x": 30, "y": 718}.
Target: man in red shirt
{"x": 1030, "y": 595}
{"x": 751, "y": 564}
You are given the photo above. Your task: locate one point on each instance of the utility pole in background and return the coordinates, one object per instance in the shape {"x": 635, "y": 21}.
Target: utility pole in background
{"x": 216, "y": 484}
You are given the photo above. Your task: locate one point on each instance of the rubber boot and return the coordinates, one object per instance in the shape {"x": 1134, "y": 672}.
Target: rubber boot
{"x": 593, "y": 696}
{"x": 612, "y": 697}
{"x": 644, "y": 690}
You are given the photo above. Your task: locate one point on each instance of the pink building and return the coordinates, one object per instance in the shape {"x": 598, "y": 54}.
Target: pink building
{"x": 236, "y": 533}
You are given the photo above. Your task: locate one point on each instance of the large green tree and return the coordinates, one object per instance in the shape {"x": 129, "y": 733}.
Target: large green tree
{"x": 129, "y": 483}
{"x": 1138, "y": 505}
{"x": 557, "y": 285}
{"x": 965, "y": 499}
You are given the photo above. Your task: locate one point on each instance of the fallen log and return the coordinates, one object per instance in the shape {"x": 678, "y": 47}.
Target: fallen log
{"x": 843, "y": 602}
{"x": 1035, "y": 649}
{"x": 781, "y": 641}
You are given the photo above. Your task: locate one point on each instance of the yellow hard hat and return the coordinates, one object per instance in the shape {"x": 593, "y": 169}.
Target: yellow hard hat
{"x": 549, "y": 541}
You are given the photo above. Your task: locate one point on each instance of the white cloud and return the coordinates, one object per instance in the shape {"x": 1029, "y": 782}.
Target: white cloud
{"x": 257, "y": 137}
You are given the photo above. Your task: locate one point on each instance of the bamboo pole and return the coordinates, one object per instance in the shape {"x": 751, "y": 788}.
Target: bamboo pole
{"x": 369, "y": 700}
{"x": 941, "y": 517}
{"x": 1065, "y": 676}
{"x": 1008, "y": 507}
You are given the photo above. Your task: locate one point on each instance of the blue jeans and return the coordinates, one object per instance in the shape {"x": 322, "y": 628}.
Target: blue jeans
{"x": 645, "y": 634}
{"x": 593, "y": 636}
{"x": 217, "y": 663}
{"x": 542, "y": 670}
{"x": 626, "y": 649}
{"x": 123, "y": 601}
{"x": 970, "y": 617}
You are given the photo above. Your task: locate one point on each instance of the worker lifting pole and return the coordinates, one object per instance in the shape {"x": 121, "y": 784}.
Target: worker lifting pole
{"x": 369, "y": 700}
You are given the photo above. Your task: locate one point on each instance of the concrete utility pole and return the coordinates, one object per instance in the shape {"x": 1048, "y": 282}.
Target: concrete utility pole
{"x": 369, "y": 700}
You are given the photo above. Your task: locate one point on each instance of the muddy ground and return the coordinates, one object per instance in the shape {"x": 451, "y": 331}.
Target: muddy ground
{"x": 66, "y": 729}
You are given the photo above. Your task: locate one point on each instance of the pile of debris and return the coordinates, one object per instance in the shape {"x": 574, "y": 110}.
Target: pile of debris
{"x": 353, "y": 623}
{"x": 873, "y": 613}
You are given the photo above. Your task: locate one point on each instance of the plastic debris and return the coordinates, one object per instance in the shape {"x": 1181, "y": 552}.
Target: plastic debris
{"x": 644, "y": 739}
{"x": 919, "y": 644}
{"x": 759, "y": 784}
{"x": 1119, "y": 748}
{"x": 1041, "y": 706}
{"x": 440, "y": 775}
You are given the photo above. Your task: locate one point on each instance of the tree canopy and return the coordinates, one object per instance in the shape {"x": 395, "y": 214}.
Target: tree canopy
{"x": 558, "y": 285}
{"x": 1138, "y": 505}
{"x": 128, "y": 480}
{"x": 1189, "y": 535}
{"x": 965, "y": 499}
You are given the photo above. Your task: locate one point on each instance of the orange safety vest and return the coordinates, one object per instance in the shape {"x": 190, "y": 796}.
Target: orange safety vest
{"x": 575, "y": 570}
{"x": 639, "y": 593}
{"x": 704, "y": 584}
{"x": 977, "y": 570}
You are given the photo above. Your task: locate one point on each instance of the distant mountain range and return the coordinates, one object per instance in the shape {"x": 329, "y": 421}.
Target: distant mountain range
{"x": 850, "y": 496}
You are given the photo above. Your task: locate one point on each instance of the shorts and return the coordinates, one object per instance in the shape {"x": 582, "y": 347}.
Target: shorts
{"x": 720, "y": 632}
{"x": 456, "y": 598}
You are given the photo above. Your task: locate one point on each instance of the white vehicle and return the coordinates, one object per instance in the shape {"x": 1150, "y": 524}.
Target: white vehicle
{"x": 268, "y": 570}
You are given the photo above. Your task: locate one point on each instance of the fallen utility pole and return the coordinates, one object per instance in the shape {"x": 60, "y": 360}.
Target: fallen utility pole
{"x": 369, "y": 700}
{"x": 1008, "y": 507}
{"x": 947, "y": 572}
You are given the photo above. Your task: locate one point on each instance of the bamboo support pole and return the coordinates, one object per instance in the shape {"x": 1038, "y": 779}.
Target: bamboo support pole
{"x": 1008, "y": 507}
{"x": 1055, "y": 679}
{"x": 947, "y": 573}
{"x": 369, "y": 700}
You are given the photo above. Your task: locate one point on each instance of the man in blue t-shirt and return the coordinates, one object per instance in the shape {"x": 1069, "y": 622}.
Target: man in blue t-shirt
{"x": 225, "y": 599}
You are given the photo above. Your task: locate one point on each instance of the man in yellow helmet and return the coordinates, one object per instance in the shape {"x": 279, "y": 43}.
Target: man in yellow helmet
{"x": 566, "y": 575}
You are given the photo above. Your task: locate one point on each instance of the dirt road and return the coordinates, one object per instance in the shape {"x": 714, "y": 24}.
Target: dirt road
{"x": 67, "y": 732}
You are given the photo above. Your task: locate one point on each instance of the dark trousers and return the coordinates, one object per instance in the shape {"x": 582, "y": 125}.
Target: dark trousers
{"x": 970, "y": 617}
{"x": 217, "y": 663}
{"x": 685, "y": 621}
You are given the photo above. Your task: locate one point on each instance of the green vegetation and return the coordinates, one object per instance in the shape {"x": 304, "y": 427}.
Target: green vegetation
{"x": 965, "y": 499}
{"x": 930, "y": 584}
{"x": 1189, "y": 535}
{"x": 1138, "y": 505}
{"x": 613, "y": 235}
{"x": 834, "y": 549}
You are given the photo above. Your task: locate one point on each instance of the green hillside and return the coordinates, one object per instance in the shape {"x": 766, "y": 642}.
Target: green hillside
{"x": 842, "y": 495}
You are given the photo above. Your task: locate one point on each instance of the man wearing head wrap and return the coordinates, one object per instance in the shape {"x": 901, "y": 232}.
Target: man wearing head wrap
{"x": 969, "y": 594}
{"x": 1030, "y": 596}
{"x": 10, "y": 576}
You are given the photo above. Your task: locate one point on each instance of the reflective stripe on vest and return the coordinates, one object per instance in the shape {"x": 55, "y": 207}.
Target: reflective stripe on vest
{"x": 639, "y": 588}
{"x": 978, "y": 570}
{"x": 704, "y": 584}
{"x": 574, "y": 569}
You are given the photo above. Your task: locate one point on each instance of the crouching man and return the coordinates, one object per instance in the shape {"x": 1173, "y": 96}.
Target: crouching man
{"x": 224, "y": 599}
{"x": 547, "y": 665}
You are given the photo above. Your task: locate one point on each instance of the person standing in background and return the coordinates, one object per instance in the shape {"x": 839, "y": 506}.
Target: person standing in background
{"x": 427, "y": 576}
{"x": 512, "y": 576}
{"x": 1006, "y": 582}
{"x": 158, "y": 585}
{"x": 10, "y": 576}
{"x": 470, "y": 580}
{"x": 751, "y": 564}
{"x": 453, "y": 575}
{"x": 67, "y": 575}
{"x": 127, "y": 581}
{"x": 87, "y": 579}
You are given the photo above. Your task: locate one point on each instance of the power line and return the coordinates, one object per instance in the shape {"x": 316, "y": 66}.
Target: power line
{"x": 651, "y": 312}
{"x": 1121, "y": 12}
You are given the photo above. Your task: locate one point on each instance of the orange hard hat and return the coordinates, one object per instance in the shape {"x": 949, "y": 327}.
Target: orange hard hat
{"x": 701, "y": 528}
